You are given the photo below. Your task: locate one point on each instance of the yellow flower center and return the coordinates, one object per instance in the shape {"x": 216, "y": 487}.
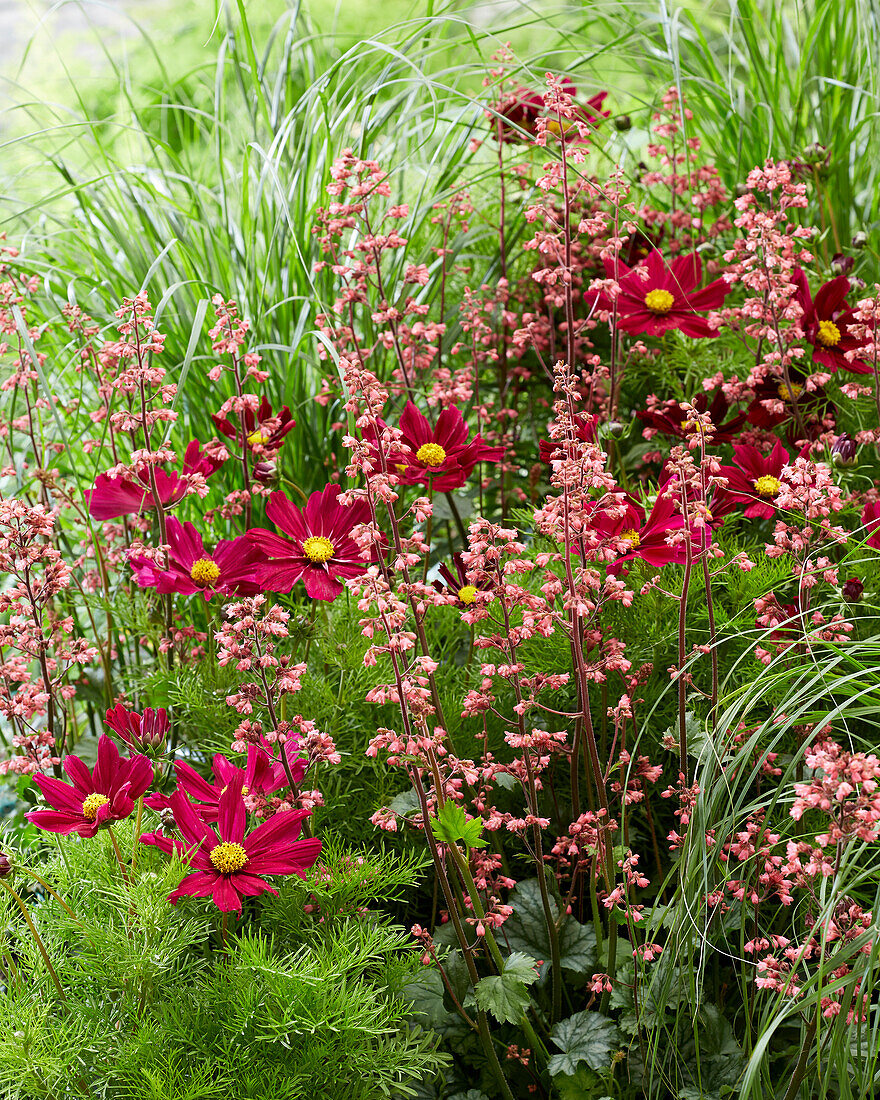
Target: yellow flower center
{"x": 256, "y": 437}
{"x": 318, "y": 549}
{"x": 768, "y": 486}
{"x": 659, "y": 301}
{"x": 205, "y": 572}
{"x": 630, "y": 536}
{"x": 92, "y": 804}
{"x": 228, "y": 857}
{"x": 796, "y": 388}
{"x": 468, "y": 594}
{"x": 400, "y": 467}
{"x": 828, "y": 334}
{"x": 431, "y": 454}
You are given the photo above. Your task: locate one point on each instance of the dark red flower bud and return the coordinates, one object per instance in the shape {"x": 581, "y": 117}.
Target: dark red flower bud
{"x": 5, "y": 865}
{"x": 265, "y": 472}
{"x": 852, "y": 590}
{"x": 842, "y": 265}
{"x": 860, "y": 239}
{"x": 845, "y": 451}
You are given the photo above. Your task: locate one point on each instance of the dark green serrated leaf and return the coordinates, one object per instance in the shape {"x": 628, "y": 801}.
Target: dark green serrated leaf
{"x": 584, "y": 1037}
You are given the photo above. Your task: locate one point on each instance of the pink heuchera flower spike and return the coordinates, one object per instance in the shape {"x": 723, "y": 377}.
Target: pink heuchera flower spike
{"x": 94, "y": 799}
{"x": 230, "y": 866}
{"x": 230, "y": 568}
{"x": 655, "y": 296}
{"x": 440, "y": 456}
{"x": 123, "y": 496}
{"x": 320, "y": 549}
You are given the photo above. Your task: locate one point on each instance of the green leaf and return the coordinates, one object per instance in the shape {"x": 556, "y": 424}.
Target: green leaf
{"x": 506, "y": 995}
{"x": 451, "y": 825}
{"x": 585, "y": 1037}
{"x": 526, "y": 930}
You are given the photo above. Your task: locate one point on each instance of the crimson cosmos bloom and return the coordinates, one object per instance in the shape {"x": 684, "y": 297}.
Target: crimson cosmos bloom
{"x": 440, "y": 456}
{"x": 655, "y": 296}
{"x": 457, "y": 584}
{"x": 95, "y": 798}
{"x": 265, "y": 430}
{"x": 229, "y": 569}
{"x": 826, "y": 323}
{"x": 773, "y": 405}
{"x": 871, "y": 522}
{"x": 320, "y": 549}
{"x": 585, "y": 425}
{"x": 230, "y": 866}
{"x": 263, "y": 773}
{"x": 670, "y": 418}
{"x": 140, "y": 732}
{"x": 522, "y": 108}
{"x": 646, "y": 537}
{"x": 752, "y": 480}
{"x": 122, "y": 496}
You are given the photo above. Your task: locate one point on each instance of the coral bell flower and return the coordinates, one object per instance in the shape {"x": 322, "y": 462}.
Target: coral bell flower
{"x": 655, "y": 296}
{"x": 230, "y": 866}
{"x": 521, "y": 108}
{"x": 320, "y": 549}
{"x": 826, "y": 323}
{"x": 670, "y": 418}
{"x": 230, "y": 568}
{"x": 141, "y": 732}
{"x": 440, "y": 457}
{"x": 264, "y": 429}
{"x": 97, "y": 798}
{"x": 124, "y": 496}
{"x": 753, "y": 480}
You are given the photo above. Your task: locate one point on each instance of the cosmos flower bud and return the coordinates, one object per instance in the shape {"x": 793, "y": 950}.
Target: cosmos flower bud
{"x": 5, "y": 865}
{"x": 265, "y": 472}
{"x": 844, "y": 451}
{"x": 842, "y": 265}
{"x": 852, "y": 590}
{"x": 616, "y": 428}
{"x": 860, "y": 239}
{"x": 623, "y": 123}
{"x": 141, "y": 732}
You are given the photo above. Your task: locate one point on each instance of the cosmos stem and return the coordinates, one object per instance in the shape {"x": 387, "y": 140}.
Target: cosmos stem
{"x": 25, "y": 912}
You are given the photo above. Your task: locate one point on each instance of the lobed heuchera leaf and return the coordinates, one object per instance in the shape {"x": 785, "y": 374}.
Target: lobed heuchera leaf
{"x": 505, "y": 996}
{"x": 584, "y": 1037}
{"x": 451, "y": 825}
{"x": 526, "y": 930}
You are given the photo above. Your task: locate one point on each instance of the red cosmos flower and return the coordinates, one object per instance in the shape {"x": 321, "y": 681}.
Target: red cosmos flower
{"x": 586, "y": 425}
{"x": 521, "y": 109}
{"x": 753, "y": 480}
{"x": 263, "y": 773}
{"x": 670, "y": 418}
{"x": 229, "y": 569}
{"x": 441, "y": 456}
{"x": 871, "y": 522}
{"x": 773, "y": 405}
{"x": 96, "y": 798}
{"x": 826, "y": 320}
{"x": 141, "y": 732}
{"x": 655, "y": 296}
{"x": 264, "y": 430}
{"x": 457, "y": 583}
{"x": 230, "y": 866}
{"x": 647, "y": 538}
{"x": 320, "y": 549}
{"x": 122, "y": 496}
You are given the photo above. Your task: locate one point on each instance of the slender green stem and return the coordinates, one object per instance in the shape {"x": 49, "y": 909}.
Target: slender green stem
{"x": 25, "y": 912}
